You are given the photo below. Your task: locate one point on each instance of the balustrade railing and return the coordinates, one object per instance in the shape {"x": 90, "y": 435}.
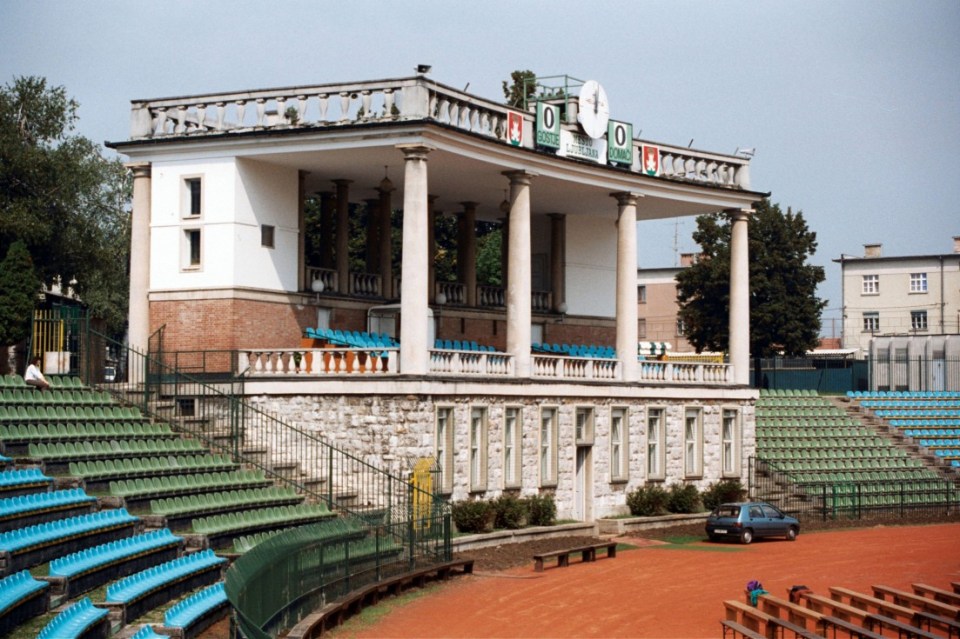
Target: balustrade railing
{"x": 327, "y": 276}
{"x": 578, "y": 368}
{"x": 318, "y": 362}
{"x": 365, "y": 284}
{"x": 449, "y": 362}
{"x": 491, "y": 296}
{"x": 453, "y": 292}
{"x": 541, "y": 301}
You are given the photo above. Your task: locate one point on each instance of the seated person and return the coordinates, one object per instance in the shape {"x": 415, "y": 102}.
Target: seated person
{"x": 33, "y": 376}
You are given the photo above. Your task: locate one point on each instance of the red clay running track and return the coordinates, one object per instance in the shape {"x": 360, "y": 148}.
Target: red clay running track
{"x": 669, "y": 591}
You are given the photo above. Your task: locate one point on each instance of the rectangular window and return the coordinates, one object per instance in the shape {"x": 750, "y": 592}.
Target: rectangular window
{"x": 618, "y": 444}
{"x": 642, "y": 328}
{"x": 478, "y": 449}
{"x": 871, "y": 322}
{"x": 192, "y": 249}
{"x": 681, "y": 327}
{"x": 266, "y": 235}
{"x": 193, "y": 197}
{"x": 642, "y": 294}
{"x": 548, "y": 447}
{"x": 655, "y": 444}
{"x": 730, "y": 443}
{"x": 584, "y": 426}
{"x": 871, "y": 284}
{"x": 511, "y": 447}
{"x": 918, "y": 320}
{"x": 692, "y": 458}
{"x": 918, "y": 282}
{"x": 445, "y": 448}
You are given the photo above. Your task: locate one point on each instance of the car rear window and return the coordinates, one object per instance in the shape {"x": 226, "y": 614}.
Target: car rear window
{"x": 727, "y": 511}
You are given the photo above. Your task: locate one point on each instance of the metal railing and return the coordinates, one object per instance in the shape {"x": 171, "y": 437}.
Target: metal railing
{"x": 859, "y": 500}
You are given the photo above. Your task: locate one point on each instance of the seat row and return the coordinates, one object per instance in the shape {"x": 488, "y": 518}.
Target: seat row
{"x": 20, "y": 414}
{"x": 29, "y": 396}
{"x": 15, "y": 508}
{"x": 222, "y": 529}
{"x": 458, "y": 345}
{"x": 112, "y": 449}
{"x": 788, "y": 392}
{"x": 575, "y": 350}
{"x": 356, "y": 339}
{"x": 910, "y": 403}
{"x": 189, "y": 612}
{"x": 924, "y": 423}
{"x": 917, "y": 413}
{"x": 56, "y": 381}
{"x": 105, "y": 470}
{"x": 82, "y": 430}
{"x": 157, "y": 487}
{"x": 904, "y": 394}
{"x": 252, "y": 497}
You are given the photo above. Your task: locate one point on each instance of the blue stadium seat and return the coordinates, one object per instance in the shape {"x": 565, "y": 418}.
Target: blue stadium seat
{"x": 75, "y": 621}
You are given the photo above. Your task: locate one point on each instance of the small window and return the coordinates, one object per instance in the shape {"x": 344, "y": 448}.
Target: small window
{"x": 681, "y": 327}
{"x": 584, "y": 426}
{"x": 548, "y": 447}
{"x": 642, "y": 328}
{"x": 730, "y": 443}
{"x": 192, "y": 249}
{"x": 871, "y": 322}
{"x": 918, "y": 282}
{"x": 692, "y": 448}
{"x": 918, "y": 320}
{"x": 655, "y": 444}
{"x": 478, "y": 449}
{"x": 871, "y": 284}
{"x": 266, "y": 235}
{"x": 194, "y": 197}
{"x": 511, "y": 447}
{"x": 642, "y": 294}
{"x": 444, "y": 448}
{"x": 618, "y": 444}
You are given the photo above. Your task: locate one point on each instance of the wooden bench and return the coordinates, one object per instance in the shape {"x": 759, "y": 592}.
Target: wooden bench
{"x": 852, "y": 629}
{"x": 738, "y": 629}
{"x": 833, "y": 608}
{"x": 918, "y": 602}
{"x": 587, "y": 552}
{"x": 860, "y": 600}
{"x": 796, "y": 614}
{"x": 930, "y": 621}
{"x": 903, "y": 629}
{"x": 945, "y": 596}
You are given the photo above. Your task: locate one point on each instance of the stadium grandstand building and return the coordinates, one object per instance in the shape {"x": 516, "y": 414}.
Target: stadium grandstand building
{"x": 533, "y": 384}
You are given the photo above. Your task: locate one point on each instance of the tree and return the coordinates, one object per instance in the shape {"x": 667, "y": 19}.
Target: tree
{"x": 19, "y": 287}
{"x": 784, "y": 309}
{"x": 522, "y": 86}
{"x": 62, "y": 198}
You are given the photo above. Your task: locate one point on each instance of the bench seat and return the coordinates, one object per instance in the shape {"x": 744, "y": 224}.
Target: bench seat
{"x": 588, "y": 552}
{"x": 188, "y": 618}
{"x": 21, "y": 597}
{"x": 82, "y": 619}
{"x": 36, "y": 508}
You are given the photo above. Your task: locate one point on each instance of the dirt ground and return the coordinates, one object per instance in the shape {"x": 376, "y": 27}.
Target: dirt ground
{"x": 671, "y": 587}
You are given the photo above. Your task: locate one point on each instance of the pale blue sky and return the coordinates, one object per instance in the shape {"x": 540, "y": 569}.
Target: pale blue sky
{"x": 853, "y": 106}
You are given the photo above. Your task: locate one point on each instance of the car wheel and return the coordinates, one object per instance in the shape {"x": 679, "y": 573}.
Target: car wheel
{"x": 792, "y": 533}
{"x": 746, "y": 536}
{"x": 713, "y": 537}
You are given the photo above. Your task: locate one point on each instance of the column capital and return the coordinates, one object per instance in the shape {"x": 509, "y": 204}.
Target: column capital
{"x": 519, "y": 177}
{"x": 138, "y": 169}
{"x": 626, "y": 198}
{"x": 740, "y": 214}
{"x": 415, "y": 151}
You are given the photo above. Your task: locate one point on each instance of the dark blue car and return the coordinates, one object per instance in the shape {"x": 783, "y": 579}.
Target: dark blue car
{"x": 750, "y": 520}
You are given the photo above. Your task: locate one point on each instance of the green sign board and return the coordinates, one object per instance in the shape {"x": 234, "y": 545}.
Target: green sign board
{"x": 620, "y": 143}
{"x": 548, "y": 125}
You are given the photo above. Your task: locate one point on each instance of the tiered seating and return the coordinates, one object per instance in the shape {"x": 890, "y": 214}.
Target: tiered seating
{"x": 179, "y": 511}
{"x": 56, "y": 457}
{"x": 930, "y": 418}
{"x": 12, "y": 381}
{"x": 355, "y": 339}
{"x": 464, "y": 345}
{"x": 82, "y": 619}
{"x": 147, "y": 589}
{"x": 23, "y": 481}
{"x": 36, "y": 508}
{"x": 21, "y": 597}
{"x": 138, "y": 493}
{"x": 198, "y": 611}
{"x": 97, "y": 474}
{"x": 575, "y": 350}
{"x": 220, "y": 530}
{"x": 29, "y": 395}
{"x": 17, "y": 438}
{"x": 81, "y": 571}
{"x": 65, "y": 381}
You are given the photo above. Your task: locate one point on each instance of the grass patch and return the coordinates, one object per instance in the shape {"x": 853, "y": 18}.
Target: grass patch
{"x": 683, "y": 539}
{"x": 373, "y": 614}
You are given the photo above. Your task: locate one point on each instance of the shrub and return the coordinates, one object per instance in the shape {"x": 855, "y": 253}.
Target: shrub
{"x": 542, "y": 510}
{"x": 472, "y": 516}
{"x": 683, "y": 498}
{"x": 511, "y": 513}
{"x": 647, "y": 500}
{"x": 722, "y": 492}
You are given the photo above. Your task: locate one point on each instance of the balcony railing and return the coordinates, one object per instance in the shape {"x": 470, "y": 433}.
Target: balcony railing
{"x": 575, "y": 368}
{"x": 403, "y": 99}
{"x": 453, "y": 292}
{"x": 449, "y": 362}
{"x": 318, "y": 362}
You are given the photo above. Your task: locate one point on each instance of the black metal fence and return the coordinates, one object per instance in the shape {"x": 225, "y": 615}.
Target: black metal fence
{"x": 860, "y": 500}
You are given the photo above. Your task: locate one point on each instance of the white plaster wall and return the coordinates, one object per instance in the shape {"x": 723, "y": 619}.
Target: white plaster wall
{"x": 591, "y": 265}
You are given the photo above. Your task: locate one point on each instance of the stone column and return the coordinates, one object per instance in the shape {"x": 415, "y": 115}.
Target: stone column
{"x": 372, "y": 260}
{"x": 140, "y": 257}
{"x": 740, "y": 296}
{"x": 519, "y": 272}
{"x": 343, "y": 236}
{"x": 413, "y": 284}
{"x": 558, "y": 252}
{"x": 627, "y": 284}
{"x": 326, "y": 229}
{"x": 385, "y": 238}
{"x": 467, "y": 252}
{"x": 432, "y": 244}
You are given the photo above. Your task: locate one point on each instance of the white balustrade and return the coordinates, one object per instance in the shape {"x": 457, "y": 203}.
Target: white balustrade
{"x": 455, "y": 292}
{"x": 318, "y": 362}
{"x": 326, "y": 275}
{"x": 451, "y": 362}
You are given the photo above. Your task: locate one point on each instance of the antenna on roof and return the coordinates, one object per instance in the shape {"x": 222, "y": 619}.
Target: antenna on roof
{"x": 423, "y": 68}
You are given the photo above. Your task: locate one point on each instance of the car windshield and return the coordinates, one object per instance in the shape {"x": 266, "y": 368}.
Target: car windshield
{"x": 727, "y": 511}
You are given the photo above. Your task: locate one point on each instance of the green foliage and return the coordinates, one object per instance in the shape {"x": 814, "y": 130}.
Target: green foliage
{"x": 18, "y": 294}
{"x": 511, "y": 513}
{"x": 784, "y": 309}
{"x": 522, "y": 85}
{"x": 648, "y": 500}
{"x": 472, "y": 516}
{"x": 683, "y": 498}
{"x": 722, "y": 492}
{"x": 542, "y": 510}
{"x": 62, "y": 198}
{"x": 489, "y": 262}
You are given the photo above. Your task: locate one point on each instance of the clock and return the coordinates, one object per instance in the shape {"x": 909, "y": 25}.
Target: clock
{"x": 594, "y": 110}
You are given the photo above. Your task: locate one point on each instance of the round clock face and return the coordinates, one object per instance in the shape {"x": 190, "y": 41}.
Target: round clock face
{"x": 594, "y": 111}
